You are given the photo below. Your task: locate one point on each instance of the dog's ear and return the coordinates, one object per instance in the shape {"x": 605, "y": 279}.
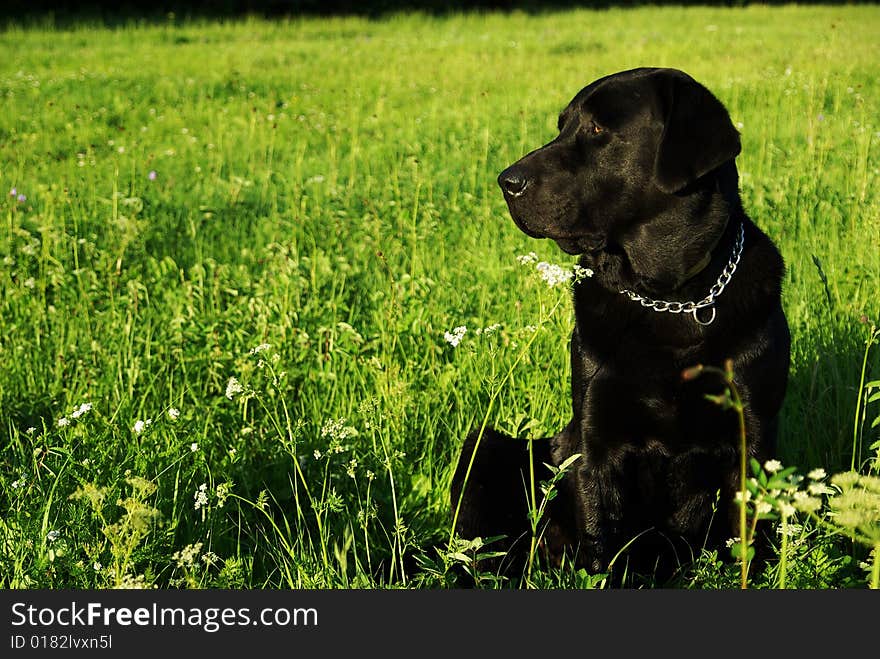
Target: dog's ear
{"x": 697, "y": 135}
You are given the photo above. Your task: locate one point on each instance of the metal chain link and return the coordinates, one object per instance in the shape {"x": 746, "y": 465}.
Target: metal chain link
{"x": 693, "y": 307}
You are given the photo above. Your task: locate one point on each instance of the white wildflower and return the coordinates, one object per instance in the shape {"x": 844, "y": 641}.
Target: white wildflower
{"x": 772, "y": 466}
{"x": 187, "y": 556}
{"x": 792, "y": 529}
{"x": 233, "y": 386}
{"x": 763, "y": 507}
{"x": 730, "y": 542}
{"x": 194, "y": 447}
{"x": 174, "y": 414}
{"x": 581, "y": 273}
{"x": 553, "y": 274}
{"x": 454, "y": 337}
{"x": 210, "y": 558}
{"x": 818, "y": 489}
{"x": 139, "y": 426}
{"x": 133, "y": 582}
{"x": 97, "y": 567}
{"x": 806, "y": 503}
{"x": 31, "y": 430}
{"x": 63, "y": 422}
{"x": 82, "y": 409}
{"x": 336, "y": 429}
{"x": 260, "y": 348}
{"x": 817, "y": 474}
{"x": 527, "y": 259}
{"x": 52, "y": 536}
{"x": 786, "y": 509}
{"x": 739, "y": 496}
{"x": 201, "y": 496}
{"x": 350, "y": 468}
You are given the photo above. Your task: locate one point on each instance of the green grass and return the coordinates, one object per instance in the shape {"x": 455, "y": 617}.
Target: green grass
{"x": 327, "y": 186}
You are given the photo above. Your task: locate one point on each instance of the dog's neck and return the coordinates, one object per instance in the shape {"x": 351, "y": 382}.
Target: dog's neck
{"x": 700, "y": 265}
{"x": 670, "y": 255}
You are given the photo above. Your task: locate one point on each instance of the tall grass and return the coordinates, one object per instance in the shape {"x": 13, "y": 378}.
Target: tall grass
{"x": 187, "y": 193}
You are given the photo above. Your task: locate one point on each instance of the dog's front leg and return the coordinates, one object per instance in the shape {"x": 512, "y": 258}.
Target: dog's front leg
{"x": 599, "y": 506}
{"x": 590, "y": 497}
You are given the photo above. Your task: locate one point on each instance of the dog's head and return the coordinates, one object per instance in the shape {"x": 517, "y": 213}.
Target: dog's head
{"x": 631, "y": 149}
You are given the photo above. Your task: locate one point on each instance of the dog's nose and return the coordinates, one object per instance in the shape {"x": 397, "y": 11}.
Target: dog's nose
{"x": 513, "y": 181}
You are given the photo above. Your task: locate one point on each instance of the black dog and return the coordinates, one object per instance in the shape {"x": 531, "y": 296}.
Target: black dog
{"x": 641, "y": 183}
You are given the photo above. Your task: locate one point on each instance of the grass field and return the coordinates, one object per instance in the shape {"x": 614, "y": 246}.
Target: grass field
{"x": 307, "y": 207}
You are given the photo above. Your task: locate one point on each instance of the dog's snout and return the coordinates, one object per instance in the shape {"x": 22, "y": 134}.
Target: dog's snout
{"x": 513, "y": 181}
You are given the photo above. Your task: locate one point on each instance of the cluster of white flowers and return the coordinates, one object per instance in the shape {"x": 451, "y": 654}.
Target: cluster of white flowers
{"x": 454, "y": 337}
{"x": 82, "y": 409}
{"x": 336, "y": 429}
{"x": 787, "y": 493}
{"x": 233, "y": 387}
{"x": 763, "y": 507}
{"x": 351, "y": 467}
{"x": 186, "y": 557}
{"x": 201, "y": 496}
{"x": 738, "y": 497}
{"x": 134, "y": 582}
{"x": 790, "y": 530}
{"x": 20, "y": 483}
{"x": 173, "y": 414}
{"x": 64, "y": 421}
{"x": 581, "y": 273}
{"x": 260, "y": 348}
{"x": 772, "y": 466}
{"x": 141, "y": 425}
{"x": 819, "y": 489}
{"x": 817, "y": 474}
{"x": 554, "y": 274}
{"x": 488, "y": 330}
{"x": 209, "y": 558}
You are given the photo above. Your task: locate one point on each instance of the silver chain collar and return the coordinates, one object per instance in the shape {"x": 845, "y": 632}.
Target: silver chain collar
{"x": 708, "y": 301}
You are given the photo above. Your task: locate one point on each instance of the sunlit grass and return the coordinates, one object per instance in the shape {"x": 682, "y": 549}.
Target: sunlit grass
{"x": 185, "y": 194}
